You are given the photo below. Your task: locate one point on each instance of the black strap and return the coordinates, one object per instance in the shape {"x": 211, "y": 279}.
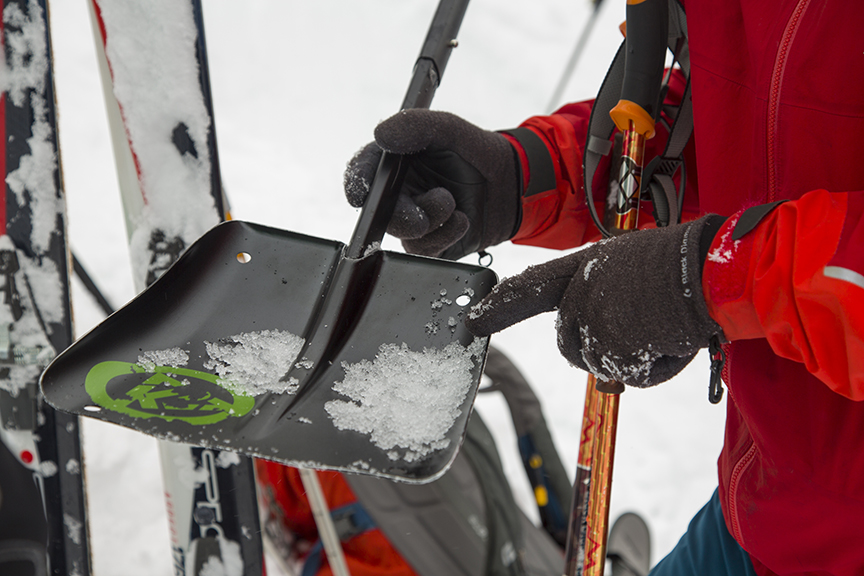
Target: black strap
{"x": 751, "y": 218}
{"x": 657, "y": 178}
{"x": 540, "y": 166}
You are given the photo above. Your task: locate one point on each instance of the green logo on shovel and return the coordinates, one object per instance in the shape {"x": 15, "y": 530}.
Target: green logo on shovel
{"x": 164, "y": 392}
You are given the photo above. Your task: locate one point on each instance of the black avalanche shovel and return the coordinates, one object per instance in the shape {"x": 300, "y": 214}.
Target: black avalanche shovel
{"x": 298, "y": 349}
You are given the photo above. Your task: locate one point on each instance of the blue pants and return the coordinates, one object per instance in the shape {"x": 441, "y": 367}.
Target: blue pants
{"x": 706, "y": 549}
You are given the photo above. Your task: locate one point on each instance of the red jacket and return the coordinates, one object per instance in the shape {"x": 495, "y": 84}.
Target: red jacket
{"x": 778, "y": 98}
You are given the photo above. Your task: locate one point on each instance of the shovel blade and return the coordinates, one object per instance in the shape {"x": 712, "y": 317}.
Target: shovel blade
{"x": 274, "y": 344}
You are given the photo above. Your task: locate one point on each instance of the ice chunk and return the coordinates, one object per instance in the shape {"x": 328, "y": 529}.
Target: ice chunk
{"x": 406, "y": 399}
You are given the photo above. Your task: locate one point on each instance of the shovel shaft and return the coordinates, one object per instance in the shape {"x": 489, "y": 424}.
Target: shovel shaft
{"x": 379, "y": 205}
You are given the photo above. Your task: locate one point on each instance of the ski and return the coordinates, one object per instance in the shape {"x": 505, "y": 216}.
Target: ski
{"x": 43, "y": 522}
{"x": 629, "y": 547}
{"x": 153, "y": 62}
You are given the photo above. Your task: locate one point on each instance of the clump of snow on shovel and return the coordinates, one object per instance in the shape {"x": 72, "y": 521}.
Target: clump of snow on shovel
{"x": 406, "y": 399}
{"x": 175, "y": 357}
{"x": 253, "y": 363}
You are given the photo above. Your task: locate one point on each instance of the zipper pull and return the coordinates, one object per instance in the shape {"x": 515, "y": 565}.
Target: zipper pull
{"x": 718, "y": 360}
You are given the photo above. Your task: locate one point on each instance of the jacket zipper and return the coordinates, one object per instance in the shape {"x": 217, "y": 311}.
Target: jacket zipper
{"x": 774, "y": 93}
{"x": 745, "y": 460}
{"x": 733, "y": 490}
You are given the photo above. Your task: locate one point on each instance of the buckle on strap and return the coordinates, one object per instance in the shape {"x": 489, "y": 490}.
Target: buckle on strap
{"x": 351, "y": 520}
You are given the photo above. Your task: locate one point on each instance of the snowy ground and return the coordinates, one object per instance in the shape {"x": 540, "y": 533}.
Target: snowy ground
{"x": 298, "y": 88}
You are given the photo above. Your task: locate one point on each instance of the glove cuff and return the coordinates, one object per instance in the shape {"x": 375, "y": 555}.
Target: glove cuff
{"x": 541, "y": 168}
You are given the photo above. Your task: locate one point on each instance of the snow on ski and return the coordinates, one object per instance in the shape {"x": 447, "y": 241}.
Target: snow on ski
{"x": 154, "y": 71}
{"x": 43, "y": 523}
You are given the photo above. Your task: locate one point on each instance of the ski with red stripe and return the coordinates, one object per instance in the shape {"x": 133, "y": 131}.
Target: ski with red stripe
{"x": 154, "y": 71}
{"x": 43, "y": 522}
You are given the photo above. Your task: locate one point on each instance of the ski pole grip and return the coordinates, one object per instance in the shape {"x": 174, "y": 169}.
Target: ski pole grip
{"x": 647, "y": 31}
{"x": 381, "y": 201}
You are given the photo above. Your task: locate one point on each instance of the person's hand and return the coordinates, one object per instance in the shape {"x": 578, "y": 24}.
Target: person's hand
{"x": 630, "y": 309}
{"x": 462, "y": 189}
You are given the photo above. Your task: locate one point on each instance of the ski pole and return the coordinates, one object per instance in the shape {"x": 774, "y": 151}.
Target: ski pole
{"x": 574, "y": 56}
{"x": 647, "y": 26}
{"x": 324, "y": 522}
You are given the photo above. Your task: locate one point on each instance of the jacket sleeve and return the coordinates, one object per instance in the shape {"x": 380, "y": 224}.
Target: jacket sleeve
{"x": 558, "y": 217}
{"x": 797, "y": 279}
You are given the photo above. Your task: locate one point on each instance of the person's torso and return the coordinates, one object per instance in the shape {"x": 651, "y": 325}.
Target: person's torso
{"x": 778, "y": 93}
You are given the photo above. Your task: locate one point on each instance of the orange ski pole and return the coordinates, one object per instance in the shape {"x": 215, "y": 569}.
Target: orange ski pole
{"x": 647, "y": 24}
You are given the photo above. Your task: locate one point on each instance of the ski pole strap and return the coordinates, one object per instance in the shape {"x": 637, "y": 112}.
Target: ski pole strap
{"x": 553, "y": 516}
{"x": 657, "y": 176}
{"x": 350, "y": 520}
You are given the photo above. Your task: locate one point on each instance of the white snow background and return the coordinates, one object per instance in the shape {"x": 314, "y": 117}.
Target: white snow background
{"x": 297, "y": 88}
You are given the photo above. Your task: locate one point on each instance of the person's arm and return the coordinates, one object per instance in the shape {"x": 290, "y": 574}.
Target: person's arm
{"x": 558, "y": 216}
{"x": 796, "y": 278}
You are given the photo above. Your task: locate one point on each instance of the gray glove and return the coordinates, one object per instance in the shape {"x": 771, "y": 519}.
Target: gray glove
{"x": 462, "y": 189}
{"x": 630, "y": 309}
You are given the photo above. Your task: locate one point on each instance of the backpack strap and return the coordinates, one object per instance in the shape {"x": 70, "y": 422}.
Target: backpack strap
{"x": 657, "y": 175}
{"x": 350, "y": 520}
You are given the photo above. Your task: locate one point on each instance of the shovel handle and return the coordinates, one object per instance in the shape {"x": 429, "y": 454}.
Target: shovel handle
{"x": 379, "y": 205}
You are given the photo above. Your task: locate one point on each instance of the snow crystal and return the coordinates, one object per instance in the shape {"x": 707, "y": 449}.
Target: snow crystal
{"x": 432, "y": 327}
{"x": 73, "y": 467}
{"x": 724, "y": 252}
{"x": 406, "y": 399}
{"x": 175, "y": 357}
{"x": 372, "y": 248}
{"x": 479, "y": 309}
{"x": 226, "y": 459}
{"x": 47, "y": 469}
{"x": 255, "y": 362}
{"x": 589, "y": 266}
{"x": 305, "y": 363}
{"x": 304, "y": 420}
{"x": 185, "y": 473}
{"x": 73, "y": 528}
{"x": 231, "y": 563}
{"x": 440, "y": 302}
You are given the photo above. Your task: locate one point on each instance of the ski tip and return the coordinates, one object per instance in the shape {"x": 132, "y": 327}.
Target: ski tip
{"x": 629, "y": 546}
